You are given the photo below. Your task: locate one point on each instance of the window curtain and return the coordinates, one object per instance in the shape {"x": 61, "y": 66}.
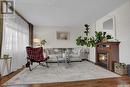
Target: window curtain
{"x": 15, "y": 40}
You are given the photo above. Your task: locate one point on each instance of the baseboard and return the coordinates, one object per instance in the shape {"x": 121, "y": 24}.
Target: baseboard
{"x": 74, "y": 61}
{"x": 91, "y": 62}
{"x": 56, "y": 61}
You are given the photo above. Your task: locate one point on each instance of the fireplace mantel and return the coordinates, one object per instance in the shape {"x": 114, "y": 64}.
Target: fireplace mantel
{"x": 106, "y": 54}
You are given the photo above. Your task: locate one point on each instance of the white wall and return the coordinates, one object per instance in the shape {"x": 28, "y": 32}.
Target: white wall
{"x": 49, "y": 34}
{"x": 92, "y": 55}
{"x": 122, "y": 20}
{"x": 122, "y": 25}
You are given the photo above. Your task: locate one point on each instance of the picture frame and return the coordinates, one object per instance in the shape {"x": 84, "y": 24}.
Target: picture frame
{"x": 61, "y": 35}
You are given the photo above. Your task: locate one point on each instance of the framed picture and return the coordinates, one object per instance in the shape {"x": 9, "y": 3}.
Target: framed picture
{"x": 62, "y": 35}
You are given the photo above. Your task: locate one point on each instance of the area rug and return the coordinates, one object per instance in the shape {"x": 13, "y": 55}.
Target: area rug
{"x": 62, "y": 73}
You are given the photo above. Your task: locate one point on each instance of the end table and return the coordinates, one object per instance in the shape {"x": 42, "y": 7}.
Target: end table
{"x": 6, "y": 65}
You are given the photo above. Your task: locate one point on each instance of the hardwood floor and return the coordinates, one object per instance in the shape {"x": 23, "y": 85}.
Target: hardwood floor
{"x": 110, "y": 82}
{"x": 6, "y": 78}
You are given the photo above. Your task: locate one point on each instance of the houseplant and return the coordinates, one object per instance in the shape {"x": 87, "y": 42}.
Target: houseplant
{"x": 43, "y": 42}
{"x": 102, "y": 36}
{"x": 90, "y": 41}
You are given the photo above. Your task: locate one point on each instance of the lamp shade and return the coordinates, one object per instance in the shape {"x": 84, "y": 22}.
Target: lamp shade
{"x": 36, "y": 41}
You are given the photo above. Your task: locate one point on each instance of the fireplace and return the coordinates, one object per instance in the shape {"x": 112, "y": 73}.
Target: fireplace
{"x": 107, "y": 53}
{"x": 103, "y": 59}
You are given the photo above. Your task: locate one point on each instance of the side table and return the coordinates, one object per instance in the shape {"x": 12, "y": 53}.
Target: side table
{"x": 5, "y": 65}
{"x": 59, "y": 58}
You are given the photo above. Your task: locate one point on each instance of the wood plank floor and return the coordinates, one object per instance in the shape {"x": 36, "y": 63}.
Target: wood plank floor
{"x": 6, "y": 78}
{"x": 110, "y": 82}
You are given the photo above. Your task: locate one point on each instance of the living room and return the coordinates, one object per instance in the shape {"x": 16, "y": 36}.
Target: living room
{"x": 61, "y": 28}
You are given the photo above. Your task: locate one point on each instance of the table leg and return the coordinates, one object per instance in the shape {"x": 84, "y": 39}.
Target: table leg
{"x": 3, "y": 67}
{"x": 57, "y": 61}
{"x": 10, "y": 64}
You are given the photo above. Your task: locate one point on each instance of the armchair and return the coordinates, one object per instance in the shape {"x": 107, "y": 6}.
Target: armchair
{"x": 35, "y": 55}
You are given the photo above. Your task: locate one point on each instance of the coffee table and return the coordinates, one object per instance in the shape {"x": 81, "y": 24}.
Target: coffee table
{"x": 63, "y": 58}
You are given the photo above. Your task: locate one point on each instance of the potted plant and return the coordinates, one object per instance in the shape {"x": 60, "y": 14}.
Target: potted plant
{"x": 102, "y": 36}
{"x": 90, "y": 41}
{"x": 43, "y": 42}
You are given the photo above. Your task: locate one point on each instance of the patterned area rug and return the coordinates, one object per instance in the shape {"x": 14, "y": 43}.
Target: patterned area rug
{"x": 62, "y": 73}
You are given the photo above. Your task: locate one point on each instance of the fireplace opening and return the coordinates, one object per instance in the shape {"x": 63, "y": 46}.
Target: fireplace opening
{"x": 103, "y": 59}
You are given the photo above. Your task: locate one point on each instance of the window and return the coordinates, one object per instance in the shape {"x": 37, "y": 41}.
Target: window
{"x": 15, "y": 40}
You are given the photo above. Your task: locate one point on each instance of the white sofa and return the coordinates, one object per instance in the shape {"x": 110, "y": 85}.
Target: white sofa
{"x": 76, "y": 54}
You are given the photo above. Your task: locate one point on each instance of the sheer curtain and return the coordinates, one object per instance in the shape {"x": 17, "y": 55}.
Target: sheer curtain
{"x": 15, "y": 40}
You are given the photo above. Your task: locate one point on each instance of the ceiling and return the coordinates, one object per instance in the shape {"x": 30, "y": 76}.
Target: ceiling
{"x": 65, "y": 12}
